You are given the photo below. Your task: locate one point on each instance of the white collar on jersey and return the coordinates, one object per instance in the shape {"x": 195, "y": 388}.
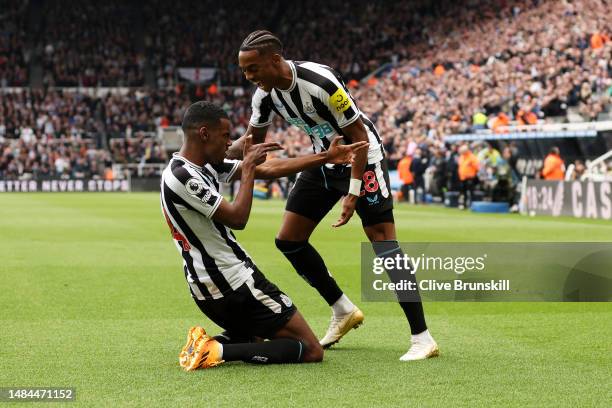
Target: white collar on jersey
{"x": 293, "y": 80}
{"x": 176, "y": 155}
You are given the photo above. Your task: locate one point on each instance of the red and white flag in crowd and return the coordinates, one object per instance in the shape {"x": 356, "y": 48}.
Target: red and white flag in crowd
{"x": 197, "y": 74}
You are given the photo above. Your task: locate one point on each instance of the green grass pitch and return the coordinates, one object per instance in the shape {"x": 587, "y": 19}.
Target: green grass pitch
{"x": 93, "y": 296}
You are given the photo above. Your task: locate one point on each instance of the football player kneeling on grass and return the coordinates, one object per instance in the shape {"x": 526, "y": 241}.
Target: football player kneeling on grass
{"x": 223, "y": 280}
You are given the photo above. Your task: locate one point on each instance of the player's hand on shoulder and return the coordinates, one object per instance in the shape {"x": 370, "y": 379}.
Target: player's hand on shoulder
{"x": 341, "y": 154}
{"x": 256, "y": 154}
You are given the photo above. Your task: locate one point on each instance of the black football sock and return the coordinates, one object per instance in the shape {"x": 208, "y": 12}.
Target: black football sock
{"x": 310, "y": 266}
{"x": 278, "y": 351}
{"x": 230, "y": 338}
{"x": 413, "y": 309}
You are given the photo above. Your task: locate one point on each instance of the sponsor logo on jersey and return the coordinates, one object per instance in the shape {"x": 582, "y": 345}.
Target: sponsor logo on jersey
{"x": 322, "y": 130}
{"x": 340, "y": 101}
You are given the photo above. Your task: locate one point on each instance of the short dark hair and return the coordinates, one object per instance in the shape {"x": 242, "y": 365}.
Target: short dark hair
{"x": 262, "y": 41}
{"x": 202, "y": 112}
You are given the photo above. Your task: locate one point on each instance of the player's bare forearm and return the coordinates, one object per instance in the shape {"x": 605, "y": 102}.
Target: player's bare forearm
{"x": 337, "y": 154}
{"x": 234, "y": 152}
{"x": 259, "y": 133}
{"x": 276, "y": 168}
{"x": 356, "y": 132}
{"x": 236, "y": 214}
{"x": 244, "y": 198}
{"x": 359, "y": 163}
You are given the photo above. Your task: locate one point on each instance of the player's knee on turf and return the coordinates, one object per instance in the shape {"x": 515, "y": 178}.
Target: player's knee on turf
{"x": 314, "y": 353}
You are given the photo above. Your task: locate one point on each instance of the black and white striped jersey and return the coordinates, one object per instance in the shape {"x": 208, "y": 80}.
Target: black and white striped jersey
{"x": 319, "y": 103}
{"x": 213, "y": 261}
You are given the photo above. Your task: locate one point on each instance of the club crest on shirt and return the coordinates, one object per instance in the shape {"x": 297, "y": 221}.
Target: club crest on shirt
{"x": 194, "y": 186}
{"x": 309, "y": 108}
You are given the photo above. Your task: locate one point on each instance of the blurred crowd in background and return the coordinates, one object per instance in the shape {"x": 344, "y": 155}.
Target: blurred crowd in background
{"x": 444, "y": 68}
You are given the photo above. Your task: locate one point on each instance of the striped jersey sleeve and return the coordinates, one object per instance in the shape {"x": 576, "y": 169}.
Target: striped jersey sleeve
{"x": 224, "y": 171}
{"x": 331, "y": 91}
{"x": 262, "y": 109}
{"x": 193, "y": 190}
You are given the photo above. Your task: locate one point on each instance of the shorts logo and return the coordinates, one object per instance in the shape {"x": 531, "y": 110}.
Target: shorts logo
{"x": 286, "y": 300}
{"x": 259, "y": 359}
{"x": 340, "y": 101}
{"x": 373, "y": 200}
{"x": 194, "y": 186}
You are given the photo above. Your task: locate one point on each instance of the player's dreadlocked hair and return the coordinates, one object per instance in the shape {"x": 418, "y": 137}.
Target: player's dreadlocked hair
{"x": 262, "y": 41}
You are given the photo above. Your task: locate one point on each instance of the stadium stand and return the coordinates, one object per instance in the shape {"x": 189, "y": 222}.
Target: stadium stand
{"x": 14, "y": 55}
{"x": 91, "y": 44}
{"x": 109, "y": 76}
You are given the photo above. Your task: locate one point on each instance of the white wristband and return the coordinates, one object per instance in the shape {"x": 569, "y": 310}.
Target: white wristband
{"x": 355, "y": 187}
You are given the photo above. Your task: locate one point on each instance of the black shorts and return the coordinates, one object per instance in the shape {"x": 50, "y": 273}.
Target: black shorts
{"x": 257, "y": 308}
{"x": 316, "y": 192}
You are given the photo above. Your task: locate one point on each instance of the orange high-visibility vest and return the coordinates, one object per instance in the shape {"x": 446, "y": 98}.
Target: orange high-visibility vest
{"x": 403, "y": 168}
{"x": 468, "y": 166}
{"x": 554, "y": 168}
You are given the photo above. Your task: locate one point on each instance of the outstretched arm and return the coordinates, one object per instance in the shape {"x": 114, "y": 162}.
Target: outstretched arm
{"x": 275, "y": 168}
{"x": 337, "y": 154}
